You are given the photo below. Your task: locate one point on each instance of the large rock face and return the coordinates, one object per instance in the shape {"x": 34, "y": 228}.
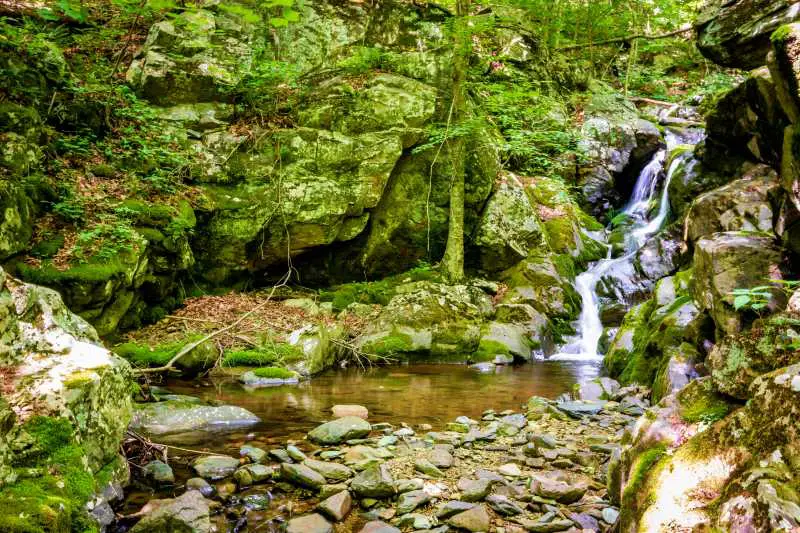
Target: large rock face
{"x": 736, "y": 34}
{"x": 66, "y": 405}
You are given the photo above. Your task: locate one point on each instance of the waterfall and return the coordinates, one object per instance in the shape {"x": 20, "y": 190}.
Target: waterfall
{"x": 583, "y": 346}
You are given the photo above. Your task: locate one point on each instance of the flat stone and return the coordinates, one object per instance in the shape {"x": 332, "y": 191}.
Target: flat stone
{"x": 340, "y": 430}
{"x": 311, "y": 523}
{"x": 578, "y": 409}
{"x": 328, "y": 490}
{"x": 475, "y": 519}
{"x": 452, "y": 508}
{"x": 215, "y": 467}
{"x": 503, "y": 505}
{"x": 341, "y": 411}
{"x": 336, "y": 507}
{"x": 331, "y": 471}
{"x": 510, "y": 470}
{"x": 440, "y": 458}
{"x": 409, "y": 501}
{"x": 413, "y": 521}
{"x": 407, "y": 485}
{"x": 302, "y": 475}
{"x": 377, "y": 526}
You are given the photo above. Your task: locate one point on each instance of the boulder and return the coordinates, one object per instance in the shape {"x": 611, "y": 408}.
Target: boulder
{"x": 727, "y": 261}
{"x": 742, "y": 205}
{"x": 737, "y": 34}
{"x": 509, "y": 227}
{"x": 188, "y": 513}
{"x": 340, "y": 430}
{"x": 176, "y": 417}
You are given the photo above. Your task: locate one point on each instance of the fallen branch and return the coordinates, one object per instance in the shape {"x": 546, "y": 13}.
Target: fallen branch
{"x": 170, "y": 366}
{"x": 651, "y": 101}
{"x": 627, "y": 39}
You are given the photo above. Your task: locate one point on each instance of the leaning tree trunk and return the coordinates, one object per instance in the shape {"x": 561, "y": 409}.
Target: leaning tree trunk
{"x": 453, "y": 260}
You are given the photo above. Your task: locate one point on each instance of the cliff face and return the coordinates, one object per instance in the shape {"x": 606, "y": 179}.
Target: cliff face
{"x": 722, "y": 451}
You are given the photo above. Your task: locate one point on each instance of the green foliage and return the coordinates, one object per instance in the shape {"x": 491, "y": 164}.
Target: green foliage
{"x": 273, "y": 372}
{"x": 390, "y": 345}
{"x": 144, "y": 356}
{"x": 645, "y": 462}
{"x": 363, "y": 59}
{"x": 378, "y": 292}
{"x": 275, "y": 353}
{"x": 758, "y": 298}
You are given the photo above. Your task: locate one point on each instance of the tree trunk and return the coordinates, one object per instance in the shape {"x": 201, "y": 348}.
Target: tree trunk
{"x": 453, "y": 260}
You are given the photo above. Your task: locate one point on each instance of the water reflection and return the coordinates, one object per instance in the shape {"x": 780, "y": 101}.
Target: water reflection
{"x": 433, "y": 394}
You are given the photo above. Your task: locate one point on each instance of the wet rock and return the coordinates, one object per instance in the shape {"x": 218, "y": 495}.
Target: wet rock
{"x": 474, "y": 490}
{"x": 312, "y": 523}
{"x": 177, "y": 417}
{"x": 331, "y": 471}
{"x": 373, "y": 482}
{"x": 503, "y": 506}
{"x": 377, "y": 526}
{"x": 257, "y": 473}
{"x": 341, "y": 411}
{"x": 427, "y": 468}
{"x": 280, "y": 455}
{"x": 302, "y": 475}
{"x": 409, "y": 501}
{"x": 201, "y": 485}
{"x": 340, "y": 430}
{"x": 215, "y": 467}
{"x": 251, "y": 379}
{"x": 189, "y": 513}
{"x": 475, "y": 519}
{"x": 253, "y": 453}
{"x": 159, "y": 471}
{"x": 295, "y": 453}
{"x": 336, "y": 507}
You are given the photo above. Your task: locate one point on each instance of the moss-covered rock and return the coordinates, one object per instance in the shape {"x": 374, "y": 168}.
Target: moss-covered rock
{"x": 724, "y": 262}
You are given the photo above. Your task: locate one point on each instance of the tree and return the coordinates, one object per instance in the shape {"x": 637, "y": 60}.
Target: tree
{"x": 453, "y": 260}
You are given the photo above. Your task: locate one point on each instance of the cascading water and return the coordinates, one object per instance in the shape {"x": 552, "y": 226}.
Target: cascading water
{"x": 583, "y": 346}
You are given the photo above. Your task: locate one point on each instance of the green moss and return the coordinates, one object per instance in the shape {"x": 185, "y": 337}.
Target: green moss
{"x": 54, "y": 483}
{"x": 143, "y": 355}
{"x": 375, "y": 292}
{"x": 273, "y": 372}
{"x": 390, "y": 345}
{"x": 264, "y": 355}
{"x": 93, "y": 272}
{"x": 47, "y": 248}
{"x": 780, "y": 35}
{"x": 640, "y": 470}
{"x": 488, "y": 349}
{"x": 699, "y": 402}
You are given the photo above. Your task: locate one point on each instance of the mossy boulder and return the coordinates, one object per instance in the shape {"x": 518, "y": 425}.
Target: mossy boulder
{"x": 509, "y": 227}
{"x": 738, "y": 360}
{"x": 66, "y": 413}
{"x": 727, "y": 261}
{"x": 737, "y": 34}
{"x": 542, "y": 282}
{"x": 742, "y": 205}
{"x": 176, "y": 418}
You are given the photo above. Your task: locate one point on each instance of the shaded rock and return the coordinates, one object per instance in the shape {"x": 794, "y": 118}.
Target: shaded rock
{"x": 340, "y": 430}
{"x": 201, "y": 485}
{"x": 336, "y": 507}
{"x": 159, "y": 471}
{"x": 312, "y": 523}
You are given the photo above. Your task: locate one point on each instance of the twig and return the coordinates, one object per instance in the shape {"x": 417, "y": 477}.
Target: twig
{"x": 627, "y": 39}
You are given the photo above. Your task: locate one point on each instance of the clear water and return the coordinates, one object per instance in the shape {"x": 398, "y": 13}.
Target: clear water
{"x": 644, "y": 224}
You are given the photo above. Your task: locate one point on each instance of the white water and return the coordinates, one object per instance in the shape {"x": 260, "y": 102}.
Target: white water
{"x": 583, "y": 346}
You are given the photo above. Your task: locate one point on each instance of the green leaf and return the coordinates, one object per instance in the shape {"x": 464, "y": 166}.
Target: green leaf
{"x": 741, "y": 301}
{"x": 278, "y": 22}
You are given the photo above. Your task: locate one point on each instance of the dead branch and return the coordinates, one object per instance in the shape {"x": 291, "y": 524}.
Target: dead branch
{"x": 628, "y": 38}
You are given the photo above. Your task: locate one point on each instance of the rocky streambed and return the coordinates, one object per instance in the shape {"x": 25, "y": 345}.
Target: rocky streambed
{"x": 540, "y": 466}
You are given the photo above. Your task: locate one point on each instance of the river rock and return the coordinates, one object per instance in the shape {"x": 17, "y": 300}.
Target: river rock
{"x": 200, "y": 485}
{"x": 302, "y": 475}
{"x": 341, "y": 411}
{"x": 440, "y": 457}
{"x": 215, "y": 467}
{"x": 340, "y": 430}
{"x": 295, "y": 453}
{"x": 172, "y": 418}
{"x": 503, "y": 505}
{"x": 331, "y": 471}
{"x": 253, "y": 453}
{"x": 188, "y": 513}
{"x": 312, "y": 523}
{"x": 377, "y": 526}
{"x": 413, "y": 521}
{"x": 336, "y": 507}
{"x": 159, "y": 471}
{"x": 409, "y": 501}
{"x": 427, "y": 468}
{"x": 475, "y": 519}
{"x": 558, "y": 486}
{"x": 474, "y": 490}
{"x": 374, "y": 482}
{"x": 453, "y": 507}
